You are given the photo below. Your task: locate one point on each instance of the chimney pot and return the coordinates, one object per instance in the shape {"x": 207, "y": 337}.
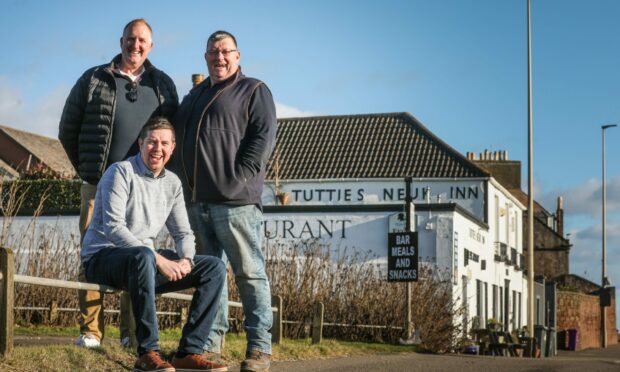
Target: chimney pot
{"x": 197, "y": 79}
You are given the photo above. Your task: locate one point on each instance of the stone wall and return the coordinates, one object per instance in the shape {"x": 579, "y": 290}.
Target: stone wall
{"x": 551, "y": 256}
{"x": 583, "y": 313}
{"x": 551, "y": 262}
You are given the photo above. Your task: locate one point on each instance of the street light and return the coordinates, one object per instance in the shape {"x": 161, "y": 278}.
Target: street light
{"x": 604, "y": 281}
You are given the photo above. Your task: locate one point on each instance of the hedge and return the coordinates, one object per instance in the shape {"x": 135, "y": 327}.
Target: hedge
{"x": 63, "y": 196}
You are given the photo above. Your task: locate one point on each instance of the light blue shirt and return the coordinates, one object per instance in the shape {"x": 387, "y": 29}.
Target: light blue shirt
{"x": 131, "y": 208}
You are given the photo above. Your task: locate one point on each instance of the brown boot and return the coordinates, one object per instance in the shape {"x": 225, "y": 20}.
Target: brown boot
{"x": 255, "y": 361}
{"x": 196, "y": 362}
{"x": 151, "y": 361}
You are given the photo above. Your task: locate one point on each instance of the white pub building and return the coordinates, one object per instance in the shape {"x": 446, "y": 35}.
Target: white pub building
{"x": 341, "y": 180}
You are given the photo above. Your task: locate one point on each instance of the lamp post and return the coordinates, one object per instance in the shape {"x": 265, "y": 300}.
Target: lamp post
{"x": 604, "y": 269}
{"x": 530, "y": 183}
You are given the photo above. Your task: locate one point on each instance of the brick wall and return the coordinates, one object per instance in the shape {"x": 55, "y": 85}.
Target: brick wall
{"x": 583, "y": 313}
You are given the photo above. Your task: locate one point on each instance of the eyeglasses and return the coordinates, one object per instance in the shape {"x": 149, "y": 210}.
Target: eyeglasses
{"x": 225, "y": 52}
{"x": 132, "y": 91}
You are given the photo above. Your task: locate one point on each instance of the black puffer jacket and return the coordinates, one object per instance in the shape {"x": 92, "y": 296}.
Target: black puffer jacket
{"x": 86, "y": 123}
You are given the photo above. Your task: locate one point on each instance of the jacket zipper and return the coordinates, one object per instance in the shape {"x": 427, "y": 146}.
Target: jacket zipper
{"x": 204, "y": 111}
{"x": 109, "y": 141}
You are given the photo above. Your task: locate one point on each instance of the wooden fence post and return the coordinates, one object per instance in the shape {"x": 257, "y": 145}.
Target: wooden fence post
{"x": 7, "y": 297}
{"x": 317, "y": 323}
{"x": 182, "y": 316}
{"x": 276, "y": 329}
{"x": 53, "y": 313}
{"x": 127, "y": 320}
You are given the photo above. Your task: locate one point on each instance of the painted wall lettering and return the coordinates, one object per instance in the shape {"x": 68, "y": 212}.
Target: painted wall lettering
{"x": 308, "y": 229}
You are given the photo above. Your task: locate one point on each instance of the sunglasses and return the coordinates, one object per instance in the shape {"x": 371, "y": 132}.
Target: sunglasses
{"x": 132, "y": 91}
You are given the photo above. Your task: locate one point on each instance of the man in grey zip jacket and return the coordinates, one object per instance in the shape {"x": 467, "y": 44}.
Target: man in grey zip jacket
{"x": 226, "y": 130}
{"x": 100, "y": 122}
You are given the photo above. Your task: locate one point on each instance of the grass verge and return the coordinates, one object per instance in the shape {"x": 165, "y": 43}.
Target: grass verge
{"x": 112, "y": 357}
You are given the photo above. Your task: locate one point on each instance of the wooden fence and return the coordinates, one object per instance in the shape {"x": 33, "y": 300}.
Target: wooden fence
{"x": 8, "y": 278}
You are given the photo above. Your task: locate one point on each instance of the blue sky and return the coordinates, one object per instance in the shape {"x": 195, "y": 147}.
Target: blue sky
{"x": 458, "y": 66}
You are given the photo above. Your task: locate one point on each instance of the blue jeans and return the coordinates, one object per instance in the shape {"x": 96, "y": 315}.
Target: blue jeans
{"x": 233, "y": 233}
{"x": 133, "y": 269}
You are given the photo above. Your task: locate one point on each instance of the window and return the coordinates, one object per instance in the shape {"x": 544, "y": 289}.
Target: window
{"x": 496, "y": 218}
{"x": 486, "y": 306}
{"x": 479, "y": 302}
{"x": 537, "y": 320}
{"x": 465, "y": 305}
{"x": 501, "y": 305}
{"x": 513, "y": 318}
{"x": 507, "y": 222}
{"x": 494, "y": 302}
{"x": 519, "y": 310}
{"x": 516, "y": 231}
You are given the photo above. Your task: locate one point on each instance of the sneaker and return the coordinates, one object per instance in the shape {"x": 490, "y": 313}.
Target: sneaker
{"x": 87, "y": 341}
{"x": 151, "y": 361}
{"x": 255, "y": 361}
{"x": 196, "y": 362}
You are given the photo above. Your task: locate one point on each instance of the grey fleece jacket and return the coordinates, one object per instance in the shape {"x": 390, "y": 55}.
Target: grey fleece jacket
{"x": 131, "y": 208}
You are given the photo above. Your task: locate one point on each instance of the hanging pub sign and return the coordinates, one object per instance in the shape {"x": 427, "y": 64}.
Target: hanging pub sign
{"x": 402, "y": 257}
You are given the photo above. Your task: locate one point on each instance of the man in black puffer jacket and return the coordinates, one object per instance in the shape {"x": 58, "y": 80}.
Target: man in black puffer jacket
{"x": 100, "y": 123}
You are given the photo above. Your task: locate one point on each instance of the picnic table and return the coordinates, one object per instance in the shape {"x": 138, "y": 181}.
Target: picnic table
{"x": 499, "y": 343}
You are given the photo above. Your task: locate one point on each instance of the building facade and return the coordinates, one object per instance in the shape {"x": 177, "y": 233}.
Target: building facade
{"x": 551, "y": 247}
{"x": 24, "y": 152}
{"x": 341, "y": 180}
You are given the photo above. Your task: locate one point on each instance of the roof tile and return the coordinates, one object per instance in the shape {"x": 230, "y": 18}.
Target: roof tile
{"x": 391, "y": 145}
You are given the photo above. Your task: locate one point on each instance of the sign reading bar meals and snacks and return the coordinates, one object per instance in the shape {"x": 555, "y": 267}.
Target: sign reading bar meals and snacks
{"x": 403, "y": 257}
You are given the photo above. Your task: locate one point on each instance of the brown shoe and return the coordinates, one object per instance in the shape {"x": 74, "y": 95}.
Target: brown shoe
{"x": 196, "y": 362}
{"x": 255, "y": 361}
{"x": 151, "y": 361}
{"x": 213, "y": 357}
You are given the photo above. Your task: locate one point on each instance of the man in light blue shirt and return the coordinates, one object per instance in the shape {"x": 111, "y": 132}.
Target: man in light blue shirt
{"x": 135, "y": 199}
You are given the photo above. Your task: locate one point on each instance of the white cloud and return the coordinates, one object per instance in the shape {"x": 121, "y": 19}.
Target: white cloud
{"x": 586, "y": 253}
{"x": 38, "y": 117}
{"x": 585, "y": 199}
{"x": 42, "y": 117}
{"x": 284, "y": 111}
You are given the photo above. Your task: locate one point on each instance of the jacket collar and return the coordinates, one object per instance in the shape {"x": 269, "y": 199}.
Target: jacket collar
{"x": 117, "y": 60}
{"x": 226, "y": 82}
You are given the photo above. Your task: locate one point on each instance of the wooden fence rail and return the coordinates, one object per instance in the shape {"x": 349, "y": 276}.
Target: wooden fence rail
{"x": 8, "y": 278}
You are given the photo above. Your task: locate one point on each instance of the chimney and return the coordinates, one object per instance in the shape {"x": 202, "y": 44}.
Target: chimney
{"x": 559, "y": 215}
{"x": 471, "y": 156}
{"x": 506, "y": 172}
{"x": 197, "y": 79}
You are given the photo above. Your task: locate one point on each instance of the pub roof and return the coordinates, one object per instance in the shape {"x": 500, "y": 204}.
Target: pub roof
{"x": 383, "y": 145}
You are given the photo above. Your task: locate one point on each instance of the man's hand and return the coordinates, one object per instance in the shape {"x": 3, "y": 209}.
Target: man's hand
{"x": 172, "y": 270}
{"x": 186, "y": 265}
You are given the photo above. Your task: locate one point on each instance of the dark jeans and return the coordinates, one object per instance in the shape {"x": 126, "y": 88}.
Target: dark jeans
{"x": 133, "y": 269}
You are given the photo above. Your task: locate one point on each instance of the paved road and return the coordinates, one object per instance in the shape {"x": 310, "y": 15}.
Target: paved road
{"x": 591, "y": 360}
{"x": 587, "y": 360}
